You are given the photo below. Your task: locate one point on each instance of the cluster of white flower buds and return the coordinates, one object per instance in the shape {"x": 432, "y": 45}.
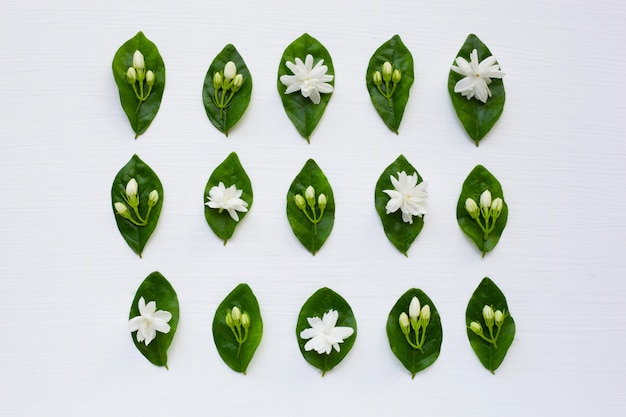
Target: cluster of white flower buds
{"x": 491, "y": 318}
{"x": 137, "y": 75}
{"x": 239, "y": 323}
{"x": 489, "y": 210}
{"x": 391, "y": 77}
{"x": 225, "y": 84}
{"x": 131, "y": 197}
{"x": 417, "y": 320}
{"x": 309, "y": 201}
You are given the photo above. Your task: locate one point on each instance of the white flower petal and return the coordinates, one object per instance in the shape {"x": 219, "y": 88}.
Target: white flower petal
{"x": 310, "y": 80}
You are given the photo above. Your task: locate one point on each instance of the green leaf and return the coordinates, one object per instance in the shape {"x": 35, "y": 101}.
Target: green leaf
{"x": 477, "y": 117}
{"x": 319, "y": 303}
{"x": 227, "y": 345}
{"x": 399, "y": 233}
{"x": 391, "y": 110}
{"x": 225, "y": 119}
{"x": 476, "y": 182}
{"x": 488, "y": 294}
{"x": 304, "y": 114}
{"x": 140, "y": 116}
{"x": 156, "y": 288}
{"x": 311, "y": 235}
{"x": 230, "y": 172}
{"x": 413, "y": 359}
{"x": 137, "y": 235}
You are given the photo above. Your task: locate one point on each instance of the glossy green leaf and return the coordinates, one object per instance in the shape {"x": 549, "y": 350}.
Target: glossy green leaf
{"x": 140, "y": 114}
{"x": 156, "y": 288}
{"x": 475, "y": 184}
{"x": 488, "y": 294}
{"x": 399, "y": 233}
{"x": 477, "y": 117}
{"x": 311, "y": 235}
{"x": 137, "y": 235}
{"x": 225, "y": 119}
{"x": 413, "y": 359}
{"x": 238, "y": 356}
{"x": 391, "y": 109}
{"x": 319, "y": 303}
{"x": 303, "y": 113}
{"x": 230, "y": 172}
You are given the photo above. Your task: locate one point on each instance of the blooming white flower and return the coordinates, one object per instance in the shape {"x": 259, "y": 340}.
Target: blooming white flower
{"x": 324, "y": 334}
{"x": 228, "y": 199}
{"x": 408, "y": 196}
{"x": 149, "y": 321}
{"x": 477, "y": 76}
{"x": 309, "y": 80}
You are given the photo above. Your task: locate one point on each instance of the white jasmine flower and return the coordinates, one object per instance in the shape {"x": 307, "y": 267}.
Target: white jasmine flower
{"x": 408, "y": 196}
{"x": 324, "y": 334}
{"x": 228, "y": 199}
{"x": 149, "y": 321}
{"x": 309, "y": 80}
{"x": 477, "y": 76}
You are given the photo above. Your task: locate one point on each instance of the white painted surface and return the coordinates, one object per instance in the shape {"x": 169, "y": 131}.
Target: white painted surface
{"x": 67, "y": 278}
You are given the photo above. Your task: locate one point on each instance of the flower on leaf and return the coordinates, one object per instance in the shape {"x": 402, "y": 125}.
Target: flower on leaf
{"x": 323, "y": 334}
{"x": 478, "y": 76}
{"x": 308, "y": 79}
{"x": 149, "y": 321}
{"x": 228, "y": 199}
{"x": 408, "y": 196}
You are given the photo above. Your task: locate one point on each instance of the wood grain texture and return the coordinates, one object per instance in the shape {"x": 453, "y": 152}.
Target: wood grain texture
{"x": 67, "y": 277}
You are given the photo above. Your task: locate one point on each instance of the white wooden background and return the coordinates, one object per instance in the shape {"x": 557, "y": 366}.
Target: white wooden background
{"x": 67, "y": 277}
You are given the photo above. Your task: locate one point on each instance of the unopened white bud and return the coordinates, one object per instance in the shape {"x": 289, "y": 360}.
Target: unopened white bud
{"x": 309, "y": 194}
{"x": 378, "y": 78}
{"x": 387, "y": 70}
{"x": 237, "y": 82}
{"x": 404, "y": 322}
{"x": 496, "y": 206}
{"x": 299, "y": 200}
{"x": 217, "y": 81}
{"x": 229, "y": 320}
{"x": 245, "y": 320}
{"x": 121, "y": 209}
{"x": 153, "y": 198}
{"x": 425, "y": 315}
{"x": 236, "y": 314}
{"x": 132, "y": 188}
{"x": 414, "y": 308}
{"x": 138, "y": 61}
{"x": 476, "y": 328}
{"x": 471, "y": 207}
{"x": 321, "y": 201}
{"x": 150, "y": 78}
{"x": 131, "y": 75}
{"x": 396, "y": 76}
{"x": 485, "y": 200}
{"x": 488, "y": 315}
{"x": 499, "y": 318}
{"x": 230, "y": 70}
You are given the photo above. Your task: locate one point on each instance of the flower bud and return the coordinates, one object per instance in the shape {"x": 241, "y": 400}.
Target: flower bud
{"x": 378, "y": 78}
{"x": 217, "y": 81}
{"x": 138, "y": 61}
{"x": 245, "y": 320}
{"x": 153, "y": 198}
{"x": 132, "y": 188}
{"x": 471, "y": 207}
{"x": 396, "y": 76}
{"x": 485, "y": 200}
{"x": 425, "y": 315}
{"x": 131, "y": 75}
{"x": 150, "y": 78}
{"x": 121, "y": 209}
{"x": 230, "y": 70}
{"x": 309, "y": 194}
{"x": 488, "y": 315}
{"x": 476, "y": 328}
{"x": 321, "y": 201}
{"x": 499, "y": 318}
{"x": 237, "y": 82}
{"x": 299, "y": 200}
{"x": 414, "y": 308}
{"x": 496, "y": 206}
{"x": 236, "y": 314}
{"x": 387, "y": 70}
{"x": 404, "y": 323}
{"x": 229, "y": 320}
